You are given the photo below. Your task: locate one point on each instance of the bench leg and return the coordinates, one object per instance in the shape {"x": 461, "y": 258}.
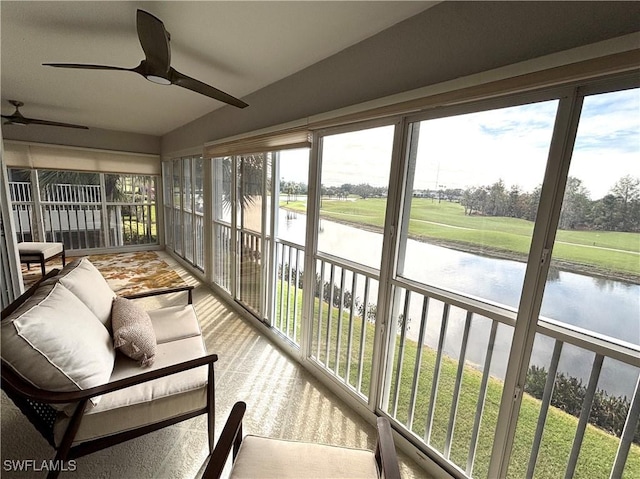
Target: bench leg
{"x": 42, "y": 265}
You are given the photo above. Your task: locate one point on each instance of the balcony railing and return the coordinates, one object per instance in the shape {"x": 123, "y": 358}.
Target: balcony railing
{"x": 222, "y": 255}
{"x": 343, "y": 325}
{"x": 288, "y": 291}
{"x": 78, "y": 216}
{"x": 447, "y": 356}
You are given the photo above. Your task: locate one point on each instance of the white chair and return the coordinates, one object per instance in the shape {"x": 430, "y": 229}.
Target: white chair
{"x": 37, "y": 252}
{"x": 262, "y": 457}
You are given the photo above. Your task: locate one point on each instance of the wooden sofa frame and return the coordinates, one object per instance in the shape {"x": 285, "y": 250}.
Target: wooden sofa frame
{"x": 35, "y": 403}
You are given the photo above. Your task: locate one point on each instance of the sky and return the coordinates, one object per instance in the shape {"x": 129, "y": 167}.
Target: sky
{"x": 478, "y": 149}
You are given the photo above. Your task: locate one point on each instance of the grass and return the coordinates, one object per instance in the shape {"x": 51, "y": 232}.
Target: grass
{"x": 598, "y": 448}
{"x": 136, "y": 228}
{"x": 611, "y": 253}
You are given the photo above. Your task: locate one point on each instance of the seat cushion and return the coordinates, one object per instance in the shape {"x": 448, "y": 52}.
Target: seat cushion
{"x": 149, "y": 402}
{"x": 56, "y": 343}
{"x": 37, "y": 248}
{"x": 83, "y": 279}
{"x": 276, "y": 458}
{"x": 174, "y": 322}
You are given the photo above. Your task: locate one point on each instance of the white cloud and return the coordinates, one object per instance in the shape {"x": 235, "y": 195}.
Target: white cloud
{"x": 477, "y": 149}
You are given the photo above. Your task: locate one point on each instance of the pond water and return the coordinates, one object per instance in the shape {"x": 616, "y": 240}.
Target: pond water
{"x": 605, "y": 307}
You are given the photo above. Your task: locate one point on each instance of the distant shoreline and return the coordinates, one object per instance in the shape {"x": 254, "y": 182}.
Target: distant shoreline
{"x": 561, "y": 265}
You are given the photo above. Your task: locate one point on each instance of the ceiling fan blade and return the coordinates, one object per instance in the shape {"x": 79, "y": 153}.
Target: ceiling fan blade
{"x": 154, "y": 40}
{"x": 192, "y": 84}
{"x": 34, "y": 121}
{"x": 85, "y": 66}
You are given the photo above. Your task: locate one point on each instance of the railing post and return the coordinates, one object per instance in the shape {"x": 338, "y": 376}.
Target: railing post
{"x": 104, "y": 213}
{"x": 207, "y": 216}
{"x": 627, "y": 434}
{"x": 37, "y": 209}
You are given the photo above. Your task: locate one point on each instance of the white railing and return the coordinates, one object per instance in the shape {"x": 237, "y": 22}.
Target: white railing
{"x": 198, "y": 229}
{"x": 77, "y": 216}
{"x": 344, "y": 315}
{"x": 70, "y": 193}
{"x": 433, "y": 387}
{"x": 222, "y": 255}
{"x": 288, "y": 291}
{"x": 20, "y": 191}
{"x": 251, "y": 287}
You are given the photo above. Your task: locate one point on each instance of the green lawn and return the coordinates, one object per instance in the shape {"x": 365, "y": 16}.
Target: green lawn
{"x": 598, "y": 449}
{"x": 608, "y": 251}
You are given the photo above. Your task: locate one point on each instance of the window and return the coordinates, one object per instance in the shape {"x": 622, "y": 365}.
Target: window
{"x": 84, "y": 210}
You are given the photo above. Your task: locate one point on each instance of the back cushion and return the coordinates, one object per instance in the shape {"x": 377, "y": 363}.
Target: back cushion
{"x": 56, "y": 343}
{"x": 85, "y": 281}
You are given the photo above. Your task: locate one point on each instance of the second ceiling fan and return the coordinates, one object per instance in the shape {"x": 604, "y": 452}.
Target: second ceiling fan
{"x": 156, "y": 66}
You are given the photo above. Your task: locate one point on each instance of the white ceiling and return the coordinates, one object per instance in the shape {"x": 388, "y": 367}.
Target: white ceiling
{"x": 236, "y": 46}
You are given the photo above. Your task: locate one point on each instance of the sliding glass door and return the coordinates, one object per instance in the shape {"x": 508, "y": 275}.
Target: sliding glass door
{"x": 353, "y": 180}
{"x": 252, "y": 228}
{"x": 470, "y": 201}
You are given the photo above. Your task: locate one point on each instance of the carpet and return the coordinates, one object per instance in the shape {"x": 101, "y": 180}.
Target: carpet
{"x": 126, "y": 273}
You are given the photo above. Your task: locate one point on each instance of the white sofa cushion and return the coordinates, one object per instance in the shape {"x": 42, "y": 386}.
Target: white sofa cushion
{"x": 83, "y": 279}
{"x": 56, "y": 343}
{"x": 174, "y": 322}
{"x": 133, "y": 332}
{"x": 276, "y": 458}
{"x": 149, "y": 402}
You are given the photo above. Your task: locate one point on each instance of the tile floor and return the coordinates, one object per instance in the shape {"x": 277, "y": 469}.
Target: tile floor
{"x": 283, "y": 400}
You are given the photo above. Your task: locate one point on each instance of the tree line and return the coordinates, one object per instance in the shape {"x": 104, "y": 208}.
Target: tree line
{"x": 363, "y": 190}
{"x": 618, "y": 210}
{"x": 607, "y": 412}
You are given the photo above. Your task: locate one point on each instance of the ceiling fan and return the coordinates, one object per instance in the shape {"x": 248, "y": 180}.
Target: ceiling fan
{"x": 156, "y": 66}
{"x": 18, "y": 119}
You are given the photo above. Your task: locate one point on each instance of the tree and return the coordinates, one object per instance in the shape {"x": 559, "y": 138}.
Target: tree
{"x": 627, "y": 192}
{"x": 575, "y": 205}
{"x": 497, "y": 199}
{"x": 515, "y": 207}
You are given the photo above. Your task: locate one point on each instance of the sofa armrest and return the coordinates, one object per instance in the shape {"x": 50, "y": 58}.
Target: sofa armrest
{"x": 14, "y": 381}
{"x": 158, "y": 292}
{"x": 231, "y": 437}
{"x": 20, "y": 300}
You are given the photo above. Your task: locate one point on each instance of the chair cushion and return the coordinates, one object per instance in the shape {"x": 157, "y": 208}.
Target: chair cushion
{"x": 174, "y": 322}
{"x": 56, "y": 343}
{"x": 149, "y": 402}
{"x": 133, "y": 331}
{"x": 85, "y": 281}
{"x": 37, "y": 248}
{"x": 276, "y": 458}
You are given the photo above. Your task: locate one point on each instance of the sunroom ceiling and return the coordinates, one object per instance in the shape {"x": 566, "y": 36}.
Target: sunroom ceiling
{"x": 238, "y": 47}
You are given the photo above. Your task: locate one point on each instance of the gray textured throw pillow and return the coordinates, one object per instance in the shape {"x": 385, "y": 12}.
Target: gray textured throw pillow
{"x": 133, "y": 332}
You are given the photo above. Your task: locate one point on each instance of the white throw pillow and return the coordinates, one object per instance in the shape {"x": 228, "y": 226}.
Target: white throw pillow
{"x": 86, "y": 282}
{"x": 56, "y": 343}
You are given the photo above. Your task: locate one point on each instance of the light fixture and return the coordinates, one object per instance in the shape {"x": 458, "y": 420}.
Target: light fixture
{"x": 158, "y": 80}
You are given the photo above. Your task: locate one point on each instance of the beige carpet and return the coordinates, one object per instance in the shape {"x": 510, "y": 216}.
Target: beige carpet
{"x": 126, "y": 273}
